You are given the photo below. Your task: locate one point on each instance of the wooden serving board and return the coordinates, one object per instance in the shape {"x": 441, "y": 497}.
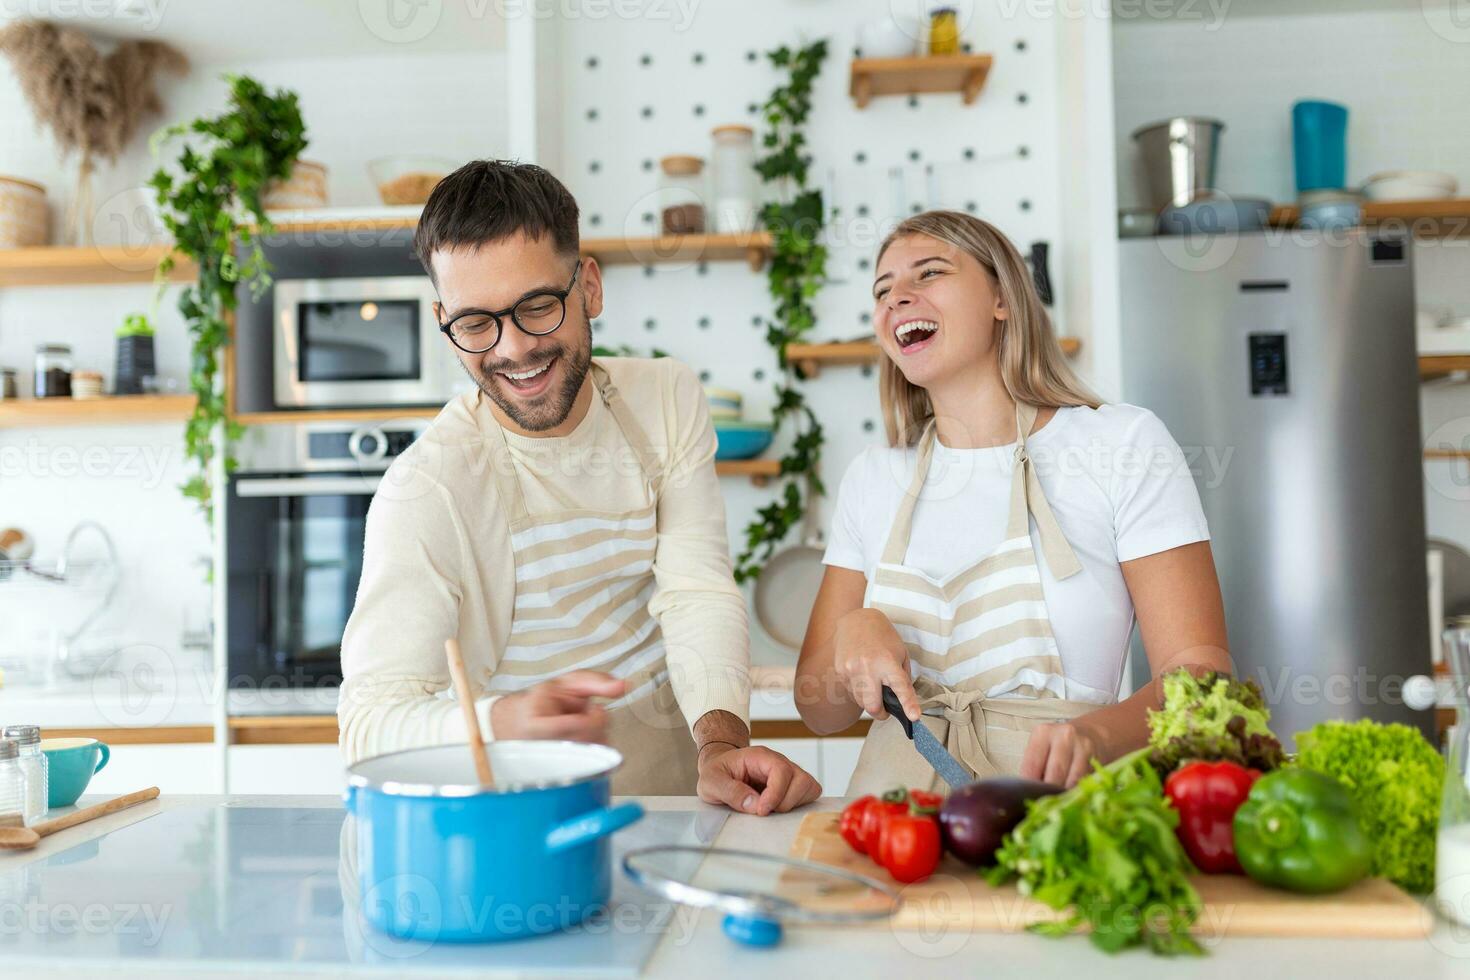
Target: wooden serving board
{"x": 956, "y": 897}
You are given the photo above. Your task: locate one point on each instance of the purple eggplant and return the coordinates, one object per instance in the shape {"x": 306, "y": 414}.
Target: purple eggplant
{"x": 974, "y": 819}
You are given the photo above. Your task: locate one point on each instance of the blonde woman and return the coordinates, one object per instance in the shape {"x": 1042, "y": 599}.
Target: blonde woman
{"x": 988, "y": 565}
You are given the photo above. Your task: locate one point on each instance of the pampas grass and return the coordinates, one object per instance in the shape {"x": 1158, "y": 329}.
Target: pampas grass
{"x": 92, "y": 103}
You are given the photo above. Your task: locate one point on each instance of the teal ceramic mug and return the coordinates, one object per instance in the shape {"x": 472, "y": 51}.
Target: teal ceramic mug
{"x": 70, "y": 765}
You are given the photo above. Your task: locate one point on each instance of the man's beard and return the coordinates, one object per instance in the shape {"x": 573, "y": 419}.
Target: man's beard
{"x": 552, "y": 407}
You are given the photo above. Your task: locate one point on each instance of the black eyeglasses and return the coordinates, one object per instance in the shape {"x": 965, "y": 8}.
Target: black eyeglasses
{"x": 476, "y": 331}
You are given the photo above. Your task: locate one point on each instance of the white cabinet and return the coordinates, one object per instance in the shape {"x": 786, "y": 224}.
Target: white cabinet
{"x": 312, "y": 770}
{"x": 186, "y": 768}
{"x": 839, "y": 759}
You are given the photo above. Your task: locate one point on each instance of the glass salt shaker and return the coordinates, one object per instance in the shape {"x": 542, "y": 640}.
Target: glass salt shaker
{"x": 1452, "y": 854}
{"x": 12, "y": 785}
{"x": 33, "y": 767}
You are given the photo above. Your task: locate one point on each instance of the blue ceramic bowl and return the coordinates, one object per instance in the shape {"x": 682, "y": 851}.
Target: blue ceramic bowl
{"x": 742, "y": 440}
{"x": 439, "y": 858}
{"x": 1332, "y": 214}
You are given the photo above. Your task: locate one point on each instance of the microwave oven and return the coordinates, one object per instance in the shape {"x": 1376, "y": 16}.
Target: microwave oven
{"x": 361, "y": 342}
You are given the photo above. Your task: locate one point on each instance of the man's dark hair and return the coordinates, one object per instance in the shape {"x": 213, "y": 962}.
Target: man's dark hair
{"x": 487, "y": 200}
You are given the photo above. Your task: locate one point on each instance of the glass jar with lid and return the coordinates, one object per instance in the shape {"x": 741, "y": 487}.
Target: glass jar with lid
{"x": 33, "y": 768}
{"x": 12, "y": 785}
{"x": 53, "y": 371}
{"x": 7, "y": 384}
{"x": 681, "y": 195}
{"x": 734, "y": 179}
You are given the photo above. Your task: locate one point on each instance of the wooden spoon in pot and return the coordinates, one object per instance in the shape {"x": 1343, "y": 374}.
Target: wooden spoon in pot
{"x": 21, "y": 838}
{"x": 466, "y": 699}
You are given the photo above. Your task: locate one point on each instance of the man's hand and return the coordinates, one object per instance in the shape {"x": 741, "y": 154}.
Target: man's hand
{"x": 561, "y": 708}
{"x": 753, "y": 780}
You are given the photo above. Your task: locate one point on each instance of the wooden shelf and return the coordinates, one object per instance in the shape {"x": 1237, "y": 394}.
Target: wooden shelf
{"x": 336, "y": 415}
{"x": 1433, "y": 366}
{"x": 962, "y": 73}
{"x": 1442, "y": 218}
{"x": 86, "y": 266}
{"x": 811, "y": 358}
{"x": 115, "y": 410}
{"x": 760, "y": 471}
{"x": 754, "y": 248}
{"x": 98, "y": 266}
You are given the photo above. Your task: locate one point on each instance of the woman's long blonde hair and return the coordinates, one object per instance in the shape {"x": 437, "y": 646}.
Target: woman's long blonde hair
{"x": 1032, "y": 366}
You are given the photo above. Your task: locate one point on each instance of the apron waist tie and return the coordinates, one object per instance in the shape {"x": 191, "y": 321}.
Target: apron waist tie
{"x": 969, "y": 715}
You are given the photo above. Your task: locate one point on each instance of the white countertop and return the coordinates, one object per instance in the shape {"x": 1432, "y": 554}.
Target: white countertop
{"x": 699, "y": 948}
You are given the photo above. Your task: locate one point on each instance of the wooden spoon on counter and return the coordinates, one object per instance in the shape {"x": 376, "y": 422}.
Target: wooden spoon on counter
{"x": 466, "y": 699}
{"x": 21, "y": 838}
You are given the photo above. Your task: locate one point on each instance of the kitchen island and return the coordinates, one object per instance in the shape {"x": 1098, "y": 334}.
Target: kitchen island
{"x": 688, "y": 943}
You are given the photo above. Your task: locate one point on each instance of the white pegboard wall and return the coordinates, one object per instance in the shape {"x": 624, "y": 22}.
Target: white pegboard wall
{"x": 635, "y": 90}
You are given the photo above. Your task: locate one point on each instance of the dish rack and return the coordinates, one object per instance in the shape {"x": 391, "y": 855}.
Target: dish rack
{"x": 100, "y": 577}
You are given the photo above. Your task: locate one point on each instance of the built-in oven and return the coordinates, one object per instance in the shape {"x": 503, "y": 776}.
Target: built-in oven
{"x": 294, "y": 524}
{"x": 373, "y": 341}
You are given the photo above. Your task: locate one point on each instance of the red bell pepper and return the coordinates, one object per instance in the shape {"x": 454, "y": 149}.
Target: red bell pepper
{"x": 1207, "y": 794}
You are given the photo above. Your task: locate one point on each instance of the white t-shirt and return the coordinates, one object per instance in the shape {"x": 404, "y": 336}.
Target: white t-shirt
{"x": 1117, "y": 482}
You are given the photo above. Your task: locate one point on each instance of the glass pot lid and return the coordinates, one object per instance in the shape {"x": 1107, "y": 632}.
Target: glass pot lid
{"x": 758, "y": 892}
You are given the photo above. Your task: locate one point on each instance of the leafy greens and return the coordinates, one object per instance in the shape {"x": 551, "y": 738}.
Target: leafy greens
{"x": 1105, "y": 853}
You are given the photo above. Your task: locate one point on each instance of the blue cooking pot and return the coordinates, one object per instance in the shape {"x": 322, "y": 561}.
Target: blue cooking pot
{"x": 440, "y": 858}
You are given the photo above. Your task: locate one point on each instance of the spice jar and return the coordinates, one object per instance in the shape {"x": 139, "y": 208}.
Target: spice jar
{"x": 7, "y": 384}
{"x": 734, "y": 179}
{"x": 12, "y": 785}
{"x": 53, "y": 371}
{"x": 944, "y": 31}
{"x": 33, "y": 769}
{"x": 681, "y": 193}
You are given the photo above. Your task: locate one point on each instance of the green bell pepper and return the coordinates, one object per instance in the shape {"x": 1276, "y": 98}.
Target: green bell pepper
{"x": 1299, "y": 830}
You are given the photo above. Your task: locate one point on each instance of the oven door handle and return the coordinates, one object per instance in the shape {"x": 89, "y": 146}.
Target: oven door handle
{"x": 307, "y": 486}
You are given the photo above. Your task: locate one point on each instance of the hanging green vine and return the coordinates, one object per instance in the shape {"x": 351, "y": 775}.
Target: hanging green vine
{"x": 210, "y": 207}
{"x": 797, "y": 272}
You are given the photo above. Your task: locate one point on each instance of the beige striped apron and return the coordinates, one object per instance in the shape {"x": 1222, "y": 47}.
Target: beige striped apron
{"x": 582, "y": 586}
{"x": 984, "y": 660}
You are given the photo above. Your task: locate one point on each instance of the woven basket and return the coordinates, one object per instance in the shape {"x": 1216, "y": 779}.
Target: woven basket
{"x": 22, "y": 213}
{"x": 305, "y": 188}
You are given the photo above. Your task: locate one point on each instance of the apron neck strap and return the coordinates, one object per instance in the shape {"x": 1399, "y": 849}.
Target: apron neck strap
{"x": 507, "y": 480}
{"x": 1028, "y": 503}
{"x": 897, "y": 544}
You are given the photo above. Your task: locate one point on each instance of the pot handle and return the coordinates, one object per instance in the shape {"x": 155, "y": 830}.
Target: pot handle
{"x": 587, "y": 827}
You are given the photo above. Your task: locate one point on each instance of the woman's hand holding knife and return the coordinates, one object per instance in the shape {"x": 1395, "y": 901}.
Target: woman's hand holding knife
{"x": 867, "y": 654}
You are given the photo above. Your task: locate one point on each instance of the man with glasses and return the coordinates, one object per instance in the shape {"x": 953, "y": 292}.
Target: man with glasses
{"x": 564, "y": 522}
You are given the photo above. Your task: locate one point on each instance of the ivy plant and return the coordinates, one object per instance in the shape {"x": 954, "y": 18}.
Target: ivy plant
{"x": 213, "y": 208}
{"x": 797, "y": 272}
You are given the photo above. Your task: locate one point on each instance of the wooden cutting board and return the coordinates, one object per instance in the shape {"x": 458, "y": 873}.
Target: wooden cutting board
{"x": 956, "y": 897}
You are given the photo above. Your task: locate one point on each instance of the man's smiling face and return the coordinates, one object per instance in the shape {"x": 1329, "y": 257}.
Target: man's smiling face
{"x": 533, "y": 380}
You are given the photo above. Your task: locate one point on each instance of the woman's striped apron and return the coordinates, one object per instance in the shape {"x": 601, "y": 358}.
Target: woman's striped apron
{"x": 981, "y": 650}
{"x": 583, "y": 582}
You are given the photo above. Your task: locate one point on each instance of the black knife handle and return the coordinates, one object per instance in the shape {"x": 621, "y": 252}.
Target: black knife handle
{"x": 891, "y": 705}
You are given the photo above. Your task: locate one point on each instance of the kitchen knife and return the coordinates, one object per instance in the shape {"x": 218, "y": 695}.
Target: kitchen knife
{"x": 929, "y": 747}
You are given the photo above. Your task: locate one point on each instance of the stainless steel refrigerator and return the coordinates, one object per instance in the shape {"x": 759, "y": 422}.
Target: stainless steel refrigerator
{"x": 1285, "y": 366}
